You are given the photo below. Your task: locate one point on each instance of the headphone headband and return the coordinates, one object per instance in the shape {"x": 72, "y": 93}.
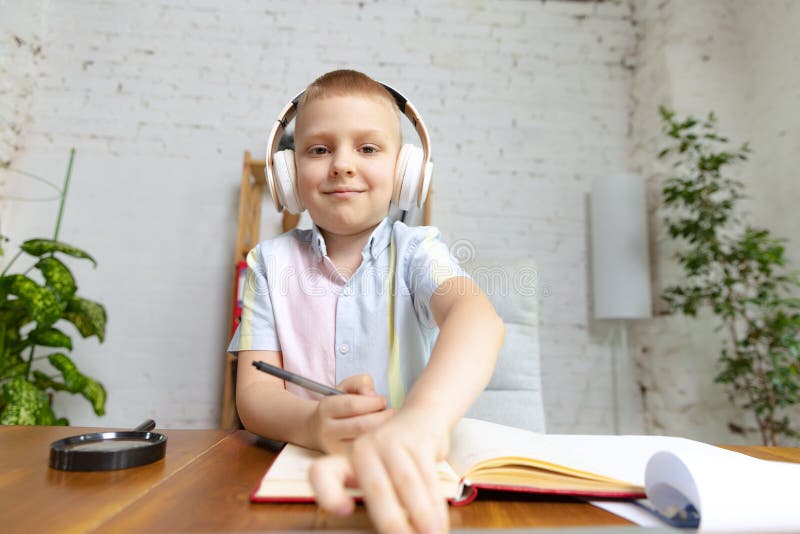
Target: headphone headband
{"x": 290, "y": 111}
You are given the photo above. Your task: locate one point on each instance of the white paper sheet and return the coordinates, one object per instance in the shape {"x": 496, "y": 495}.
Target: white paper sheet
{"x": 631, "y": 512}
{"x": 732, "y": 492}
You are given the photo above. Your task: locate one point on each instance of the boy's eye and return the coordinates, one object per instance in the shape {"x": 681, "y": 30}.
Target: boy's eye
{"x": 317, "y": 150}
{"x": 369, "y": 149}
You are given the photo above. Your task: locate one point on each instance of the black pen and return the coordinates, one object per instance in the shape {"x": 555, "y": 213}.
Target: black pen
{"x": 294, "y": 378}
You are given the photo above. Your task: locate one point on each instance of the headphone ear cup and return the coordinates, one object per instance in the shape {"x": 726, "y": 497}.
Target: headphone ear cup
{"x": 426, "y": 184}
{"x": 286, "y": 181}
{"x": 408, "y": 175}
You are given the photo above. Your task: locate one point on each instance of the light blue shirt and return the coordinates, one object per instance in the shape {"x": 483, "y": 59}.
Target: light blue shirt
{"x": 378, "y": 321}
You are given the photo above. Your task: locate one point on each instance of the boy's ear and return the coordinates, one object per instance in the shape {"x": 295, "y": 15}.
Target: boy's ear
{"x": 283, "y": 168}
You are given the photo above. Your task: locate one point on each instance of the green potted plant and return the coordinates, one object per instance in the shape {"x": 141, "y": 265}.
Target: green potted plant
{"x": 737, "y": 271}
{"x": 35, "y": 301}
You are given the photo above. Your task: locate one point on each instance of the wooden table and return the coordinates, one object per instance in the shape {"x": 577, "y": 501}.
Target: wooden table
{"x": 203, "y": 484}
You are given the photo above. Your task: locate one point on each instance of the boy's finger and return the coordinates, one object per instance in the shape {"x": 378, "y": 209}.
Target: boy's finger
{"x": 427, "y": 468}
{"x": 383, "y": 507}
{"x": 352, "y": 427}
{"x": 329, "y": 476}
{"x": 358, "y": 384}
{"x": 338, "y": 406}
{"x": 418, "y": 492}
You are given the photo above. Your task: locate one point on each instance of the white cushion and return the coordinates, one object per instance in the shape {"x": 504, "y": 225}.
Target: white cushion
{"x": 514, "y": 394}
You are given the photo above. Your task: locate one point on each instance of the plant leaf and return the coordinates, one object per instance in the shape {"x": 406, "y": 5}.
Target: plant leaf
{"x": 26, "y": 405}
{"x": 58, "y": 277}
{"x": 39, "y": 247}
{"x": 41, "y": 302}
{"x": 52, "y": 337}
{"x": 14, "y": 314}
{"x": 43, "y": 382}
{"x": 89, "y": 317}
{"x": 11, "y": 365}
{"x": 76, "y": 382}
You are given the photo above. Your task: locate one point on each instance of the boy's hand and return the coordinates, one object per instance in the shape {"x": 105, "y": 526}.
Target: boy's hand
{"x": 395, "y": 467}
{"x": 339, "y": 419}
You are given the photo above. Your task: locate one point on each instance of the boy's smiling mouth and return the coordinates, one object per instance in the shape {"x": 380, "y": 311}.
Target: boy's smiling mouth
{"x": 344, "y": 193}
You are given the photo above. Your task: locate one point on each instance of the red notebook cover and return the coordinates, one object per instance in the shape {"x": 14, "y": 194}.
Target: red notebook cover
{"x": 469, "y": 495}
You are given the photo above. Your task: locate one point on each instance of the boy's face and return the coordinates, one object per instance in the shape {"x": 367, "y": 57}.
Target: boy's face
{"x": 346, "y": 150}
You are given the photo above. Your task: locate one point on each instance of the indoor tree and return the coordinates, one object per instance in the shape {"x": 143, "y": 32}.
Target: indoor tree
{"x": 736, "y": 270}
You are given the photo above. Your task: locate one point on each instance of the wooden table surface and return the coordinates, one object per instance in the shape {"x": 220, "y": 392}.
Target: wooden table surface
{"x": 203, "y": 484}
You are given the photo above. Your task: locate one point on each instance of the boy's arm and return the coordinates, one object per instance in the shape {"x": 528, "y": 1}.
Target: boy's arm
{"x": 394, "y": 464}
{"x": 267, "y": 409}
{"x": 464, "y": 356}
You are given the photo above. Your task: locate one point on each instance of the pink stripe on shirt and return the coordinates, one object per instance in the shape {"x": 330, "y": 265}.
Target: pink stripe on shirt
{"x": 304, "y": 301}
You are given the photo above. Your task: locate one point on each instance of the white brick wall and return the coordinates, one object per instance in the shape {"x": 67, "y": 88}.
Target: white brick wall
{"x": 527, "y": 103}
{"x": 20, "y": 54}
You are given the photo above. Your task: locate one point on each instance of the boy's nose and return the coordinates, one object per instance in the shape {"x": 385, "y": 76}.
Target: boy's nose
{"x": 341, "y": 169}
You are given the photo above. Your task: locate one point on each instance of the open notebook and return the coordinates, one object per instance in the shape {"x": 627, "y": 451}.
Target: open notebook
{"x": 731, "y": 491}
{"x": 490, "y": 456}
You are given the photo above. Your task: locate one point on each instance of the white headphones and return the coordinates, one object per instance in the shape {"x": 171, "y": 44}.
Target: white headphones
{"x": 412, "y": 171}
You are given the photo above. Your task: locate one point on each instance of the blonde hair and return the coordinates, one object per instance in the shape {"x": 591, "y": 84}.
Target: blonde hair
{"x": 347, "y": 82}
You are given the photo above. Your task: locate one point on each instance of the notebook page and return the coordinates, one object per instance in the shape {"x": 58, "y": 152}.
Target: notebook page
{"x": 288, "y": 475}
{"x": 620, "y": 457}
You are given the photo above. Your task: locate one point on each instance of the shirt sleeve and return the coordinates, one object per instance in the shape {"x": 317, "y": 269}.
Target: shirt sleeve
{"x": 430, "y": 264}
{"x": 256, "y": 330}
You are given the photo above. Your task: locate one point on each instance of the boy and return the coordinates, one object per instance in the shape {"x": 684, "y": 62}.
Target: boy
{"x": 316, "y": 302}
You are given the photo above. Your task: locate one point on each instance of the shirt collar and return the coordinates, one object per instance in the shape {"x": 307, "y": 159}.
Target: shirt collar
{"x": 318, "y": 244}
{"x": 375, "y": 245}
{"x": 379, "y": 239}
